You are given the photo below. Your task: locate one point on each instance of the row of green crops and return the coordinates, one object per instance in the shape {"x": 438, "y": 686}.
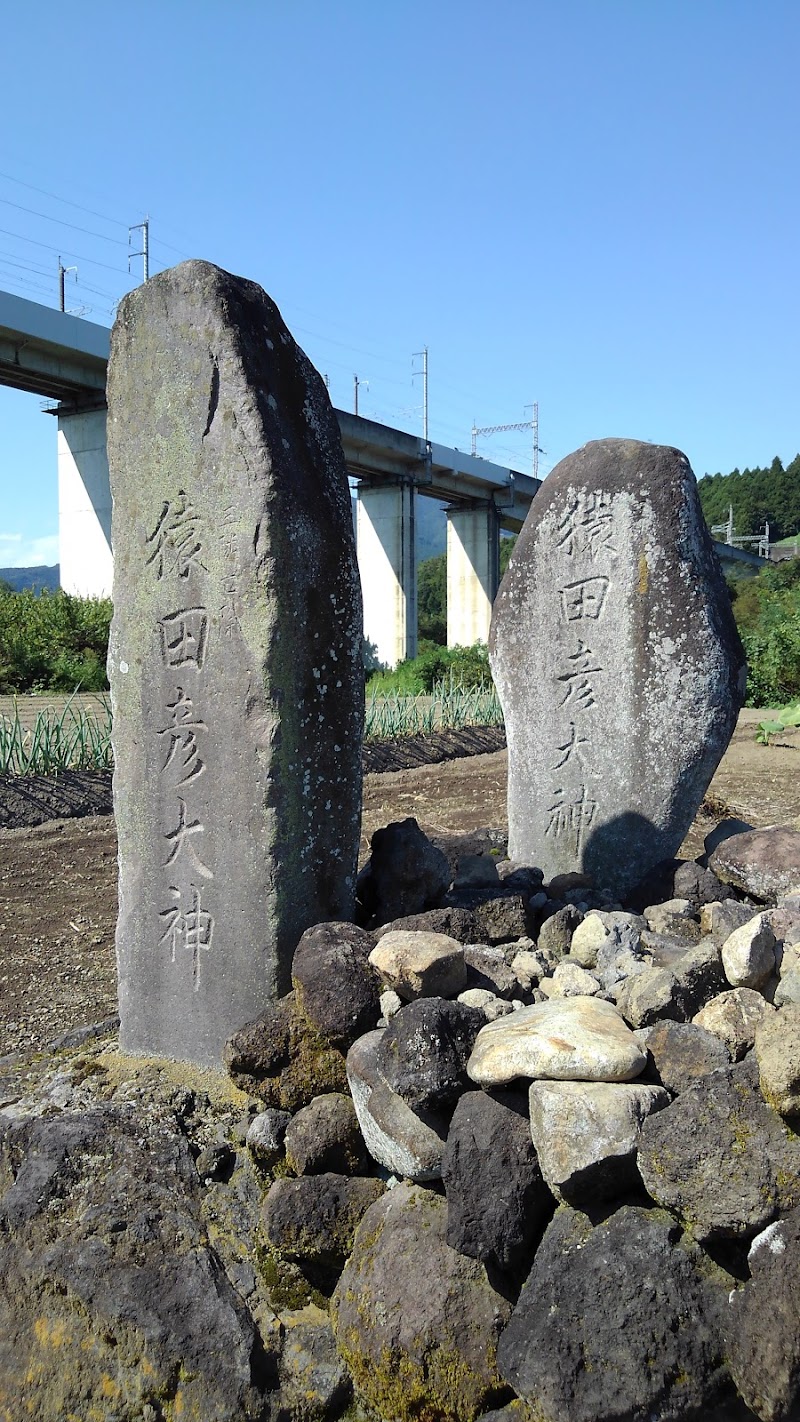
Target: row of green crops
{"x": 76, "y": 737}
{"x": 79, "y": 737}
{"x": 446, "y": 708}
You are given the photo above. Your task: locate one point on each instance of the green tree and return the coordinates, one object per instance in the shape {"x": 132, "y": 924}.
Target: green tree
{"x": 432, "y": 599}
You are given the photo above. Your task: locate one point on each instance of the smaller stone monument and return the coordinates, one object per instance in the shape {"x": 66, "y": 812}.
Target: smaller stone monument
{"x": 617, "y": 662}
{"x": 234, "y": 660}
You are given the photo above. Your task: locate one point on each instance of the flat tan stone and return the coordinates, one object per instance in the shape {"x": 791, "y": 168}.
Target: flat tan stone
{"x": 569, "y": 1039}
{"x": 419, "y": 964}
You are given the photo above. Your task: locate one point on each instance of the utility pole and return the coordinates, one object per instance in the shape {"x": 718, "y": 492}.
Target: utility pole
{"x": 536, "y": 450}
{"x": 144, "y": 228}
{"x": 62, "y": 272}
{"x": 356, "y": 383}
{"x": 424, "y": 373}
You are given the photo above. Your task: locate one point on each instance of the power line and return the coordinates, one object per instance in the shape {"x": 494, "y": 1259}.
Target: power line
{"x": 66, "y": 201}
{"x": 62, "y": 223}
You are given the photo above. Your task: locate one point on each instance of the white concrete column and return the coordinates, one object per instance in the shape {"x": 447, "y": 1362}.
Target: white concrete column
{"x": 473, "y": 554}
{"x": 387, "y": 563}
{"x": 84, "y": 504}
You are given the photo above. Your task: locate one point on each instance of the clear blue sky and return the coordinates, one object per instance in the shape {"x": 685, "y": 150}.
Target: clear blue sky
{"x": 589, "y": 203}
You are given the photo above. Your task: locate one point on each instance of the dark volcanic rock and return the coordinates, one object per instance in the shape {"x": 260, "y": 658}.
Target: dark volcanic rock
{"x": 720, "y": 1158}
{"x": 458, "y": 923}
{"x": 614, "y": 1322}
{"x": 335, "y": 988}
{"x": 683, "y": 1053}
{"x": 404, "y": 874}
{"x": 762, "y": 1327}
{"x": 109, "y": 1287}
{"x": 324, "y": 1136}
{"x": 425, "y": 1049}
{"x": 497, "y": 1201}
{"x": 313, "y": 1220}
{"x": 280, "y": 1058}
{"x": 416, "y": 1322}
{"x": 693, "y": 881}
{"x": 617, "y": 661}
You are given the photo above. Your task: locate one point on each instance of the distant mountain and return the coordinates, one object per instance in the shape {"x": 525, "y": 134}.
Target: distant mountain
{"x": 36, "y": 578}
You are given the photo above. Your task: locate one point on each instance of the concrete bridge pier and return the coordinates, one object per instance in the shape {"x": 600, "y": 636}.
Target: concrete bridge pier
{"x": 84, "y": 503}
{"x": 385, "y": 543}
{"x": 473, "y": 571}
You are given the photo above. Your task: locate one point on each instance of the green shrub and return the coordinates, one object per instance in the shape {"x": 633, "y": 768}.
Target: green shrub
{"x": 52, "y": 641}
{"x": 458, "y": 666}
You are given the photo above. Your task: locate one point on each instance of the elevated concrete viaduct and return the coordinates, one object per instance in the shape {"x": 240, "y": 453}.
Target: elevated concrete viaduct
{"x": 64, "y": 358}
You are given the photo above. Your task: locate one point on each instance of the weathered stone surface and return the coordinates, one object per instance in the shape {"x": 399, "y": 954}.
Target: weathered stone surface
{"x": 762, "y": 1327}
{"x": 396, "y": 1137}
{"x": 333, "y": 983}
{"x": 720, "y": 1158}
{"x": 590, "y": 1341}
{"x": 748, "y": 955}
{"x": 280, "y": 1058}
{"x": 265, "y": 1135}
{"x": 618, "y": 664}
{"x": 109, "y": 1286}
{"x": 720, "y": 919}
{"x": 574, "y": 1039}
{"x": 683, "y": 1053}
{"x": 586, "y": 1135}
{"x": 313, "y": 1220}
{"x": 501, "y": 919}
{"x": 733, "y": 1017}
{"x": 424, "y": 1051}
{"x": 237, "y": 734}
{"x": 788, "y": 989}
{"x": 416, "y": 1322}
{"x": 314, "y": 1382}
{"x": 458, "y": 923}
{"x": 418, "y": 964}
{"x": 571, "y": 980}
{"x": 594, "y": 931}
{"x": 764, "y": 863}
{"x": 487, "y": 968}
{"x": 701, "y": 885}
{"x": 405, "y": 874}
{"x": 497, "y": 1201}
{"x": 649, "y": 996}
{"x": 324, "y": 1138}
{"x": 555, "y": 934}
{"x": 777, "y": 1050}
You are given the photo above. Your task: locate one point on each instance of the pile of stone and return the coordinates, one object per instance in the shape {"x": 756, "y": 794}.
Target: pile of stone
{"x": 549, "y": 1090}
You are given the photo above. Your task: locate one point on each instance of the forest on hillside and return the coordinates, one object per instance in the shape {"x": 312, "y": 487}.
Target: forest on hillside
{"x": 769, "y": 495}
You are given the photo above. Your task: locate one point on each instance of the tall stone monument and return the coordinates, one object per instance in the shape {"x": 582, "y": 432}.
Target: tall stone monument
{"x": 234, "y": 660}
{"x": 617, "y": 662}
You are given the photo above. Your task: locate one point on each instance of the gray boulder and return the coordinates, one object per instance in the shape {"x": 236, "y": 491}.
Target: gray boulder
{"x": 721, "y": 919}
{"x": 733, "y": 1017}
{"x": 617, "y": 661}
{"x": 497, "y": 1201}
{"x": 416, "y": 1322}
{"x": 324, "y": 1137}
{"x": 762, "y": 1327}
{"x": 720, "y": 1158}
{"x": 586, "y": 1135}
{"x": 555, "y": 934}
{"x": 615, "y": 1322}
{"x": 109, "y": 1285}
{"x": 396, "y": 1137}
{"x": 335, "y": 989}
{"x": 424, "y": 1051}
{"x": 777, "y": 1051}
{"x": 764, "y": 862}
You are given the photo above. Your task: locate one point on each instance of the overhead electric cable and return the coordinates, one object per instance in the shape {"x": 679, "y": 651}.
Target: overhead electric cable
{"x": 117, "y": 241}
